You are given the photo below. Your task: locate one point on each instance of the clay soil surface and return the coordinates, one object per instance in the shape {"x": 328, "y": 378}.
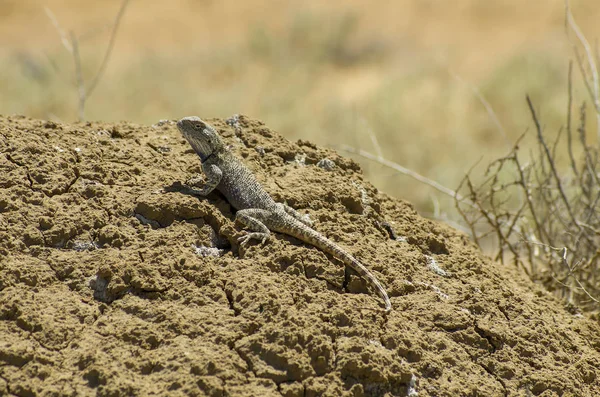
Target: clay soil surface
{"x": 115, "y": 283}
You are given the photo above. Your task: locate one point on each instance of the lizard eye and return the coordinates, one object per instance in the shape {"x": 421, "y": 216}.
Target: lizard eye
{"x": 197, "y": 126}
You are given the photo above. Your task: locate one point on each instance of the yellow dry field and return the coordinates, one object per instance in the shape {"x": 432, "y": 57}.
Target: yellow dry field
{"x": 413, "y": 74}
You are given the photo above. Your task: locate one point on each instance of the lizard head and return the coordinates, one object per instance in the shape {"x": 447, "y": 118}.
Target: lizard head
{"x": 202, "y": 136}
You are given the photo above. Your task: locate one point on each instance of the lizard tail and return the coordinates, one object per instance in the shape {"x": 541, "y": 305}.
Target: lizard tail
{"x": 316, "y": 239}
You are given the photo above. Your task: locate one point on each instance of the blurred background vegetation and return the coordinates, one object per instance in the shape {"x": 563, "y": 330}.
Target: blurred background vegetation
{"x": 414, "y": 73}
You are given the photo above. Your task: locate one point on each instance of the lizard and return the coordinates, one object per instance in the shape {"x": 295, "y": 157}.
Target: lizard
{"x": 256, "y": 209}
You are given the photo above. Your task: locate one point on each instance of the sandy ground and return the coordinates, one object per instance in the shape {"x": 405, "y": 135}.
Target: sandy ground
{"x": 112, "y": 282}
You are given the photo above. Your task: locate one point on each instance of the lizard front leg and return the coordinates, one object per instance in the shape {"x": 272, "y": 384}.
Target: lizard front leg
{"x": 213, "y": 178}
{"x": 254, "y": 219}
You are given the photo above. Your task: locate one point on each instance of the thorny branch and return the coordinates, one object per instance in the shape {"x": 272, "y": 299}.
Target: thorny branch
{"x": 532, "y": 208}
{"x": 592, "y": 84}
{"x": 551, "y": 201}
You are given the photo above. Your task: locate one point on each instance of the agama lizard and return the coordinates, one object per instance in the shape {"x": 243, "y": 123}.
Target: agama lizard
{"x": 256, "y": 209}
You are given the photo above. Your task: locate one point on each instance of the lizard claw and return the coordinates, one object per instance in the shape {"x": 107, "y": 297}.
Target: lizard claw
{"x": 263, "y": 237}
{"x": 242, "y": 241}
{"x": 194, "y": 181}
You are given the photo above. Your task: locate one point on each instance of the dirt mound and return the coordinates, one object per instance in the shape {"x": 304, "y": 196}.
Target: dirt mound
{"x": 114, "y": 283}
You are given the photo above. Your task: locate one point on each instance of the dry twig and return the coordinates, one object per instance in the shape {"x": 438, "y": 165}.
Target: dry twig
{"x": 71, "y": 44}
{"x": 401, "y": 169}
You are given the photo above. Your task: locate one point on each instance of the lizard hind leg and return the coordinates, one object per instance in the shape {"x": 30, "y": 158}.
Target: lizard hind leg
{"x": 254, "y": 219}
{"x": 295, "y": 214}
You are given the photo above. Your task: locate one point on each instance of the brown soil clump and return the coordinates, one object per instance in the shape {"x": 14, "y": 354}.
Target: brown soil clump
{"x": 114, "y": 283}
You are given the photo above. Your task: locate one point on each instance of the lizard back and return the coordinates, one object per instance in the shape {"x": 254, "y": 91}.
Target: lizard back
{"x": 239, "y": 185}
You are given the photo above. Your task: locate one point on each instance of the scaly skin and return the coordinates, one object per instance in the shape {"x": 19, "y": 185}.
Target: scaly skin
{"x": 256, "y": 208}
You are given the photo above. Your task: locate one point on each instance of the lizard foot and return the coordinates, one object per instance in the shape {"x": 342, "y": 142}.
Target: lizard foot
{"x": 305, "y": 218}
{"x": 195, "y": 181}
{"x": 263, "y": 237}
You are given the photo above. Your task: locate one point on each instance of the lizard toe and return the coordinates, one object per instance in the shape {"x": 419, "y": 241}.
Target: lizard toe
{"x": 262, "y": 237}
{"x": 242, "y": 241}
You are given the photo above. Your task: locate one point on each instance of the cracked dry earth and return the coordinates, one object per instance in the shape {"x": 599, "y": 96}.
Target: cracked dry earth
{"x": 114, "y": 283}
